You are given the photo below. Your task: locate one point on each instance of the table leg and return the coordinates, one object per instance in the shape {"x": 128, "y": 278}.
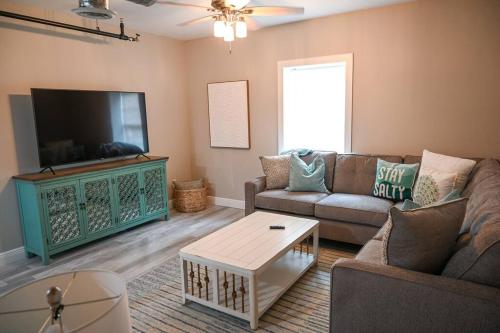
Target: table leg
{"x": 184, "y": 280}
{"x": 254, "y": 304}
{"x": 316, "y": 245}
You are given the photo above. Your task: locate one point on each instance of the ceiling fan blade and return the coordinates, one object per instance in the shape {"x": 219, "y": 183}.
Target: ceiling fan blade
{"x": 252, "y": 24}
{"x": 272, "y": 11}
{"x": 196, "y": 21}
{"x": 173, "y": 3}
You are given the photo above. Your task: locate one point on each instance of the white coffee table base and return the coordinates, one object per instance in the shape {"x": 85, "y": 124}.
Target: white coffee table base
{"x": 255, "y": 292}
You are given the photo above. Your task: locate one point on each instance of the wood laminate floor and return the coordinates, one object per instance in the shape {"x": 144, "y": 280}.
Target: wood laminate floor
{"x": 129, "y": 253}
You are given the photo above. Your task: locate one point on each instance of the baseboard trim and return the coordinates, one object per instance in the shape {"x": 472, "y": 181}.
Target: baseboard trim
{"x": 11, "y": 256}
{"x": 226, "y": 202}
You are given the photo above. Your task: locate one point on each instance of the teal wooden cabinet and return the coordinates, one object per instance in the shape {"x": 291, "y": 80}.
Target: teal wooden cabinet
{"x": 82, "y": 204}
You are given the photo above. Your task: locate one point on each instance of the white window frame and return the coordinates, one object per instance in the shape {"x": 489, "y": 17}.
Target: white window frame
{"x": 348, "y": 60}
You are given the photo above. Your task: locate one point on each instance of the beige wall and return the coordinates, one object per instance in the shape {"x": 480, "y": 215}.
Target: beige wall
{"x": 36, "y": 56}
{"x": 426, "y": 75}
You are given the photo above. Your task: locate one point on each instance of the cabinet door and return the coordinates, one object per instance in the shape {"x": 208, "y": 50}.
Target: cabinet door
{"x": 62, "y": 213}
{"x": 128, "y": 197}
{"x": 98, "y": 204}
{"x": 155, "y": 197}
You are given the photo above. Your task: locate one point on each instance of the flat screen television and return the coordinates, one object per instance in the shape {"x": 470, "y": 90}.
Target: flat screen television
{"x": 78, "y": 125}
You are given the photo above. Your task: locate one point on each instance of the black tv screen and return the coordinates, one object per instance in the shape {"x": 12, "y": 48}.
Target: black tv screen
{"x": 78, "y": 125}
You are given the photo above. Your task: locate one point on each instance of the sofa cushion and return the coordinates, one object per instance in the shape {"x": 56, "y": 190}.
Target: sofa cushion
{"x": 479, "y": 259}
{"x": 362, "y": 209}
{"x": 371, "y": 252}
{"x": 412, "y": 159}
{"x": 483, "y": 190}
{"x": 291, "y": 202}
{"x": 330, "y": 159}
{"x": 423, "y": 239}
{"x": 484, "y": 170}
{"x": 355, "y": 174}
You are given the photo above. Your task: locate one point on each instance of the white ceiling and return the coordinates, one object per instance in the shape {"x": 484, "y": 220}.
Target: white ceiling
{"x": 163, "y": 19}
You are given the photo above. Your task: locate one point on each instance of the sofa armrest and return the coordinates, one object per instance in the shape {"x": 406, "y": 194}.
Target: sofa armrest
{"x": 368, "y": 297}
{"x": 253, "y": 187}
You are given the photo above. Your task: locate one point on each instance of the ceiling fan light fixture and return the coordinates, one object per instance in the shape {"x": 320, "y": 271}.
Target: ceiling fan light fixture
{"x": 219, "y": 27}
{"x": 241, "y": 28}
{"x": 229, "y": 33}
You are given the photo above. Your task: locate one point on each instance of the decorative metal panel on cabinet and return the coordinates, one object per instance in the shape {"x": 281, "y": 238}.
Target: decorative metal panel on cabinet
{"x": 128, "y": 192}
{"x": 81, "y": 204}
{"x": 60, "y": 203}
{"x": 153, "y": 190}
{"x": 97, "y": 204}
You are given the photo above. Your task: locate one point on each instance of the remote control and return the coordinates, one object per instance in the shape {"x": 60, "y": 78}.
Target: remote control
{"x": 273, "y": 227}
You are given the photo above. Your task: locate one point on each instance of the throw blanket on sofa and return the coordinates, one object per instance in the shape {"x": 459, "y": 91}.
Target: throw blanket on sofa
{"x": 301, "y": 152}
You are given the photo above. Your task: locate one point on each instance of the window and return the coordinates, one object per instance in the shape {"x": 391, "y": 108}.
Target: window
{"x": 315, "y": 103}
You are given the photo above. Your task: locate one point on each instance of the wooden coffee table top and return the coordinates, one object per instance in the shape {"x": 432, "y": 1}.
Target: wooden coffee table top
{"x": 249, "y": 244}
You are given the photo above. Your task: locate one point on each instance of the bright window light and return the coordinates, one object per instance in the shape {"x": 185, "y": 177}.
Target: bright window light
{"x": 314, "y": 107}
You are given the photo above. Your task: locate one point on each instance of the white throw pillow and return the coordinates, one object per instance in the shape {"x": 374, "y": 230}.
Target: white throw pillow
{"x": 432, "y": 186}
{"x": 439, "y": 175}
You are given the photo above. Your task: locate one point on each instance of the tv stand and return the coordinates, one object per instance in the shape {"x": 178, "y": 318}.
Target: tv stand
{"x": 48, "y": 168}
{"x": 141, "y": 154}
{"x": 85, "y": 203}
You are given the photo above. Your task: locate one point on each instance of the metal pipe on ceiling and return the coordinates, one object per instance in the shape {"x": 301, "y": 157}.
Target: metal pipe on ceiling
{"x": 121, "y": 35}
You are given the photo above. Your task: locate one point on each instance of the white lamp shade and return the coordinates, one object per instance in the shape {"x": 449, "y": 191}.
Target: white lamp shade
{"x": 102, "y": 296}
{"x": 241, "y": 29}
{"x": 229, "y": 33}
{"x": 219, "y": 28}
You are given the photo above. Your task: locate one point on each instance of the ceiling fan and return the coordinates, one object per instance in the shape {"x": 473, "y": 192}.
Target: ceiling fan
{"x": 231, "y": 17}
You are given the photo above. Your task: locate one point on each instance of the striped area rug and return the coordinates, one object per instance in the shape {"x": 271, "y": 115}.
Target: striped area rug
{"x": 155, "y": 302}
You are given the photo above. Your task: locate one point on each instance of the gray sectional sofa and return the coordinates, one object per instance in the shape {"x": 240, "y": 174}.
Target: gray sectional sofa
{"x": 368, "y": 296}
{"x": 350, "y": 214}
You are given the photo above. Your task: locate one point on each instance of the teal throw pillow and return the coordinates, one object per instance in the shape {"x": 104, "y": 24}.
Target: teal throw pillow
{"x": 394, "y": 181}
{"x": 409, "y": 205}
{"x": 307, "y": 178}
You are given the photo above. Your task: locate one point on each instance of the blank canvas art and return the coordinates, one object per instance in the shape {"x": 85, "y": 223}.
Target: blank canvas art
{"x": 228, "y": 114}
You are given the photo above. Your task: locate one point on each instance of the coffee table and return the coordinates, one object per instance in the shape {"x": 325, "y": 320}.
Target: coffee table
{"x": 243, "y": 268}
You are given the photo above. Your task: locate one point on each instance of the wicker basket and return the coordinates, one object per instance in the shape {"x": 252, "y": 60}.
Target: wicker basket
{"x": 188, "y": 201}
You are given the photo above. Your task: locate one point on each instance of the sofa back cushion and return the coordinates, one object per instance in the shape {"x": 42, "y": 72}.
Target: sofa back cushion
{"x": 483, "y": 189}
{"x": 479, "y": 259}
{"x": 412, "y": 159}
{"x": 355, "y": 174}
{"x": 329, "y": 157}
